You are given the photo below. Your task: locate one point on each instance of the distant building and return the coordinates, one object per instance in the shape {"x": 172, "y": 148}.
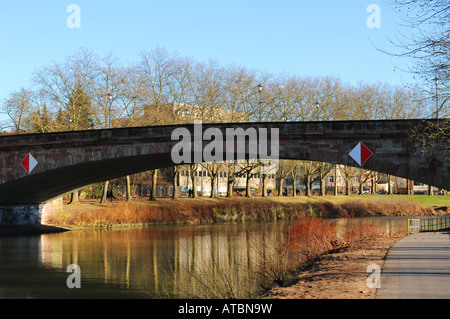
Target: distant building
{"x": 203, "y": 182}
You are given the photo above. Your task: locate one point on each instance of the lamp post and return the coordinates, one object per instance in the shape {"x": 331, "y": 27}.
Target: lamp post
{"x": 317, "y": 109}
{"x": 109, "y": 109}
{"x": 436, "y": 82}
{"x": 260, "y": 87}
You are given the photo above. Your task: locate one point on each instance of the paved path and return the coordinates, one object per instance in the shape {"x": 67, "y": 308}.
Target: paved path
{"x": 417, "y": 267}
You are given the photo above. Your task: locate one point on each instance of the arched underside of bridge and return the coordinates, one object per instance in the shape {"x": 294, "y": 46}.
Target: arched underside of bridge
{"x": 42, "y": 187}
{"x": 72, "y": 160}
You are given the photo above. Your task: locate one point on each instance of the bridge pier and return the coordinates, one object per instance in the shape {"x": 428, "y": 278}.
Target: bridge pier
{"x": 18, "y": 215}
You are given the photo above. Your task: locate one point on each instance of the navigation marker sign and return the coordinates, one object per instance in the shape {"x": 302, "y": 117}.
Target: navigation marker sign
{"x": 29, "y": 163}
{"x": 360, "y": 154}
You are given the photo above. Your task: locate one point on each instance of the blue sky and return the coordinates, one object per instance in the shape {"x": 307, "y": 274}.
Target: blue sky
{"x": 307, "y": 38}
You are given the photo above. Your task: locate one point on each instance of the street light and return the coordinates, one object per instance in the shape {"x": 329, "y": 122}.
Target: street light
{"x": 260, "y": 87}
{"x": 187, "y": 116}
{"x": 436, "y": 81}
{"x": 317, "y": 109}
{"x": 109, "y": 109}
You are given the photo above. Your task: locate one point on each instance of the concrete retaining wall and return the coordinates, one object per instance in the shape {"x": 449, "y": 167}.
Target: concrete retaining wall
{"x": 20, "y": 215}
{"x": 15, "y": 215}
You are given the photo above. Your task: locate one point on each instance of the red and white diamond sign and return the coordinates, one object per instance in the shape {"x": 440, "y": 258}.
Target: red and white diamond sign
{"x": 29, "y": 163}
{"x": 360, "y": 153}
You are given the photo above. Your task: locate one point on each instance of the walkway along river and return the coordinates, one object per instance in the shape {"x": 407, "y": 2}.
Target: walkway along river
{"x": 155, "y": 262}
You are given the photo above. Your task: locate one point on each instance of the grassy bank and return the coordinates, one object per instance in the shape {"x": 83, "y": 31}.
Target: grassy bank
{"x": 208, "y": 210}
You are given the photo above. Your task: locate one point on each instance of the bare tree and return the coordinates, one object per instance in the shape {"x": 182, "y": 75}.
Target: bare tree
{"x": 376, "y": 177}
{"x": 323, "y": 170}
{"x": 348, "y": 173}
{"x": 231, "y": 170}
{"x": 309, "y": 169}
{"x": 245, "y": 168}
{"x": 206, "y": 88}
{"x": 363, "y": 176}
{"x": 155, "y": 71}
{"x": 433, "y": 138}
{"x": 426, "y": 40}
{"x": 67, "y": 89}
{"x": 213, "y": 170}
{"x": 18, "y": 108}
{"x": 295, "y": 172}
{"x": 285, "y": 169}
{"x": 238, "y": 86}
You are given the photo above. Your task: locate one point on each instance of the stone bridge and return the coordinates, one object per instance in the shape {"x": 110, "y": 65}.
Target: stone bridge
{"x": 67, "y": 161}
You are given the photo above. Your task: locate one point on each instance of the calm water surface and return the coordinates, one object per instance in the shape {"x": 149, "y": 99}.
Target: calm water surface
{"x": 154, "y": 262}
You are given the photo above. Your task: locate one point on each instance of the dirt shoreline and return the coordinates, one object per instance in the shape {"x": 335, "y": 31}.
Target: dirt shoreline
{"x": 341, "y": 274}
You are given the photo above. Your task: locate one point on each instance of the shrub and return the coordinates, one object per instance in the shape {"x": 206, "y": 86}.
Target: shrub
{"x": 311, "y": 237}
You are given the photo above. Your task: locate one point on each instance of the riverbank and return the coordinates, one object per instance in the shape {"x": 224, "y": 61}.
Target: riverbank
{"x": 341, "y": 274}
{"x": 91, "y": 214}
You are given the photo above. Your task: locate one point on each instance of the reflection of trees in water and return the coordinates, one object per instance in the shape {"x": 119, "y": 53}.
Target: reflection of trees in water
{"x": 127, "y": 259}
{"x": 213, "y": 265}
{"x": 163, "y": 262}
{"x": 230, "y": 264}
{"x": 205, "y": 261}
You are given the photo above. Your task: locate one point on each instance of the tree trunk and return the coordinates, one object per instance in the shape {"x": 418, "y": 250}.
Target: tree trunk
{"x": 74, "y": 199}
{"x": 264, "y": 186}
{"x": 247, "y": 185}
{"x": 390, "y": 191}
{"x": 192, "y": 174}
{"x": 294, "y": 187}
{"x": 430, "y": 190}
{"x": 194, "y": 185}
{"x": 374, "y": 185}
{"x": 174, "y": 184}
{"x": 280, "y": 187}
{"x": 280, "y": 191}
{"x": 104, "y": 198}
{"x": 335, "y": 181}
{"x": 347, "y": 188}
{"x": 308, "y": 185}
{"x": 213, "y": 186}
{"x": 322, "y": 187}
{"x": 154, "y": 181}
{"x": 128, "y": 191}
{"x": 230, "y": 187}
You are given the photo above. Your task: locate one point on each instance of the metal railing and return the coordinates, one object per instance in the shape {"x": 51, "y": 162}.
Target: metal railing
{"x": 418, "y": 225}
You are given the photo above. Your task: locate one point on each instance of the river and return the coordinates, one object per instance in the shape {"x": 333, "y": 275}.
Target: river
{"x": 153, "y": 262}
